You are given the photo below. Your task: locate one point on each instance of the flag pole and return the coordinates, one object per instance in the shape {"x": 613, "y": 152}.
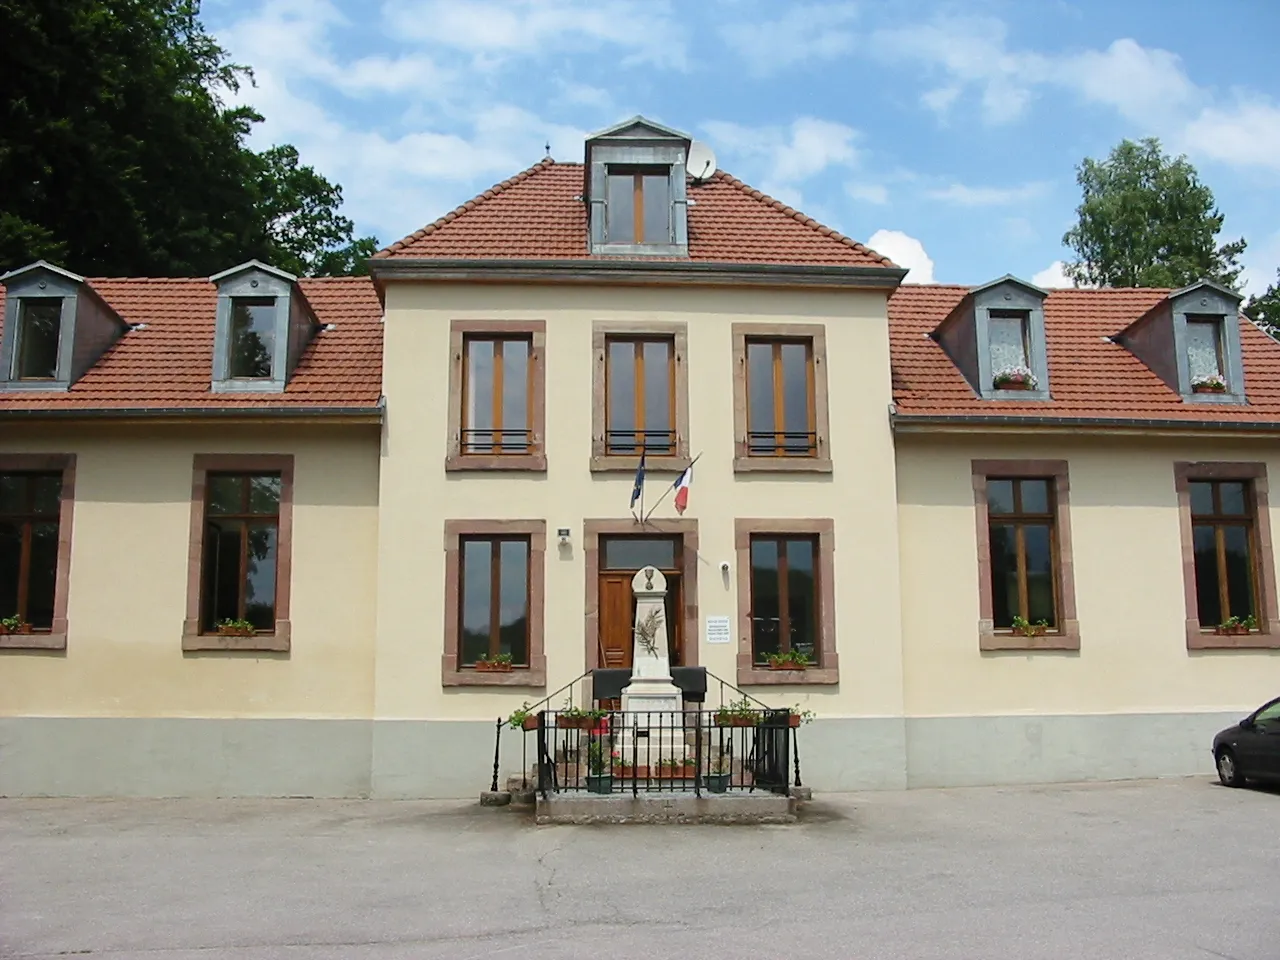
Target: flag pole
{"x": 670, "y": 487}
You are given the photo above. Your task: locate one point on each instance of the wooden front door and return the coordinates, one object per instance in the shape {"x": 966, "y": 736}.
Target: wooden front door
{"x": 621, "y": 558}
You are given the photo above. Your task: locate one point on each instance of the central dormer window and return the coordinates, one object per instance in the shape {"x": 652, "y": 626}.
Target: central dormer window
{"x": 1007, "y": 333}
{"x": 39, "y": 334}
{"x": 635, "y": 190}
{"x": 253, "y": 337}
{"x": 638, "y": 205}
{"x": 1204, "y": 350}
{"x": 262, "y": 328}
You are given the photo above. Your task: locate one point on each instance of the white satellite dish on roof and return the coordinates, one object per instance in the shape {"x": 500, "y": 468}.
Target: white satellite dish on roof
{"x": 702, "y": 161}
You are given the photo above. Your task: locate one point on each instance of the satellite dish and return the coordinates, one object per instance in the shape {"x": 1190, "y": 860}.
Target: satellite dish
{"x": 702, "y": 161}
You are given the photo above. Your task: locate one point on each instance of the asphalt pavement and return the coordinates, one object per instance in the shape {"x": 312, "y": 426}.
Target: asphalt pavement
{"x": 1164, "y": 869}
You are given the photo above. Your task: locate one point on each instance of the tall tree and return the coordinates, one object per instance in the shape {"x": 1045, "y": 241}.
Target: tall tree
{"x": 1146, "y": 220}
{"x": 1264, "y": 309}
{"x": 118, "y": 155}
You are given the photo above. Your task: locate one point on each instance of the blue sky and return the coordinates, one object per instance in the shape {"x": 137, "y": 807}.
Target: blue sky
{"x": 946, "y": 134}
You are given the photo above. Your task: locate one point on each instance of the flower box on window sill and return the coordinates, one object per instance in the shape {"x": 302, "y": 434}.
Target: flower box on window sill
{"x": 1239, "y": 630}
{"x": 1209, "y": 384}
{"x": 1012, "y": 385}
{"x": 788, "y": 665}
{"x": 21, "y": 629}
{"x": 493, "y": 666}
{"x": 229, "y": 631}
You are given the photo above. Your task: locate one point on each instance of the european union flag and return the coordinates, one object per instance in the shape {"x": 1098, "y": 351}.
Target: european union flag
{"x": 638, "y": 490}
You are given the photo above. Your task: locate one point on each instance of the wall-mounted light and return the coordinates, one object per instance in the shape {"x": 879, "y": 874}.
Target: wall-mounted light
{"x": 563, "y": 534}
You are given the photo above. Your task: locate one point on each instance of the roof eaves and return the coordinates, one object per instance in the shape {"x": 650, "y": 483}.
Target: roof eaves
{"x": 41, "y": 265}
{"x": 625, "y": 270}
{"x": 643, "y": 121}
{"x": 362, "y": 414}
{"x": 1211, "y": 284}
{"x": 1010, "y": 278}
{"x": 977, "y": 422}
{"x": 253, "y": 265}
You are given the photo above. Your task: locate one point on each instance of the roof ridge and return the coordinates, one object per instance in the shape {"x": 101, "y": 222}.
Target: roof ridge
{"x": 477, "y": 200}
{"x": 798, "y": 216}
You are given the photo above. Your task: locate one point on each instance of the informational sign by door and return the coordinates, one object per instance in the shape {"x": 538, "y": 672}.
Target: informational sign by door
{"x": 718, "y": 630}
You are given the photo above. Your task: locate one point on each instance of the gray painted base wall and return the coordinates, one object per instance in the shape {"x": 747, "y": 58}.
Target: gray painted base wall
{"x": 454, "y": 759}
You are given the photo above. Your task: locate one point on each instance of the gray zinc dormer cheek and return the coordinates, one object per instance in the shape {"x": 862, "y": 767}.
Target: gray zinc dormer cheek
{"x": 1210, "y": 302}
{"x": 1011, "y": 296}
{"x": 251, "y": 283}
{"x": 39, "y": 284}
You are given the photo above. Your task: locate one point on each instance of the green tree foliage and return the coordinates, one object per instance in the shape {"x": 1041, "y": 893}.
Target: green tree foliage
{"x": 119, "y": 157}
{"x": 1264, "y": 310}
{"x": 1146, "y": 220}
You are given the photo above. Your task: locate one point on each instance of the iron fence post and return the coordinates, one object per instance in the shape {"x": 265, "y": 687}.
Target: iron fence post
{"x": 795, "y": 752}
{"x": 497, "y": 745}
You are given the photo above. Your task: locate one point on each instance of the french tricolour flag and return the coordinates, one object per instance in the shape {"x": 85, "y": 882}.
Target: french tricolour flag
{"x": 681, "y": 486}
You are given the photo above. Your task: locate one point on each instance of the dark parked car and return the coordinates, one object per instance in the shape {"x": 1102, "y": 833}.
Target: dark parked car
{"x": 1251, "y": 749}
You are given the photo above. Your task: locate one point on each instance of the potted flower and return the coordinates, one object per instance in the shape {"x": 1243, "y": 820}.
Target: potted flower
{"x": 1028, "y": 629}
{"x": 791, "y": 660}
{"x": 1235, "y": 627}
{"x": 717, "y": 780}
{"x": 523, "y": 719}
{"x": 1209, "y": 383}
{"x": 599, "y": 769}
{"x": 14, "y": 624}
{"x": 623, "y": 768}
{"x": 665, "y": 769}
{"x": 575, "y": 718}
{"x": 498, "y": 663}
{"x": 1014, "y": 378}
{"x": 235, "y": 628}
{"x": 738, "y": 713}
{"x": 797, "y": 717}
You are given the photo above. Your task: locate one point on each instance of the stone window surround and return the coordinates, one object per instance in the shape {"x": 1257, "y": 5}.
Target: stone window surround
{"x": 601, "y": 332}
{"x": 534, "y": 675}
{"x": 202, "y": 465}
{"x": 1268, "y": 637}
{"x": 56, "y": 638}
{"x": 535, "y": 461}
{"x": 1067, "y": 636}
{"x": 687, "y": 529}
{"x": 827, "y": 671}
{"x": 817, "y": 334}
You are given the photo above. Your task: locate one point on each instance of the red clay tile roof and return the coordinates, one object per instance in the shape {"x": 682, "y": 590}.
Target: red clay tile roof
{"x": 169, "y": 364}
{"x": 535, "y": 216}
{"x": 1089, "y": 377}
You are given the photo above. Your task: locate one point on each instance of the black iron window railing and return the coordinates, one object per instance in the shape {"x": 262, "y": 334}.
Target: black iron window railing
{"x": 490, "y": 441}
{"x": 632, "y": 442}
{"x": 785, "y": 443}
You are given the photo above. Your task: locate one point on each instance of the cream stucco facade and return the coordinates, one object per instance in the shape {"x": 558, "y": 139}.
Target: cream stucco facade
{"x": 357, "y": 705}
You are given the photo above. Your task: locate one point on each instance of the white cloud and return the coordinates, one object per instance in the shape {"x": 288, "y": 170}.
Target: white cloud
{"x": 966, "y": 196}
{"x": 1246, "y": 134}
{"x": 805, "y": 32}
{"x": 1054, "y": 276}
{"x": 788, "y": 156}
{"x": 940, "y": 99}
{"x": 906, "y": 251}
{"x": 1140, "y": 83}
{"x": 645, "y": 29}
{"x": 876, "y": 193}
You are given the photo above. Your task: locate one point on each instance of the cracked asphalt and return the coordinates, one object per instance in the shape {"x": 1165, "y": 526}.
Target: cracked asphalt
{"x": 1165, "y": 869}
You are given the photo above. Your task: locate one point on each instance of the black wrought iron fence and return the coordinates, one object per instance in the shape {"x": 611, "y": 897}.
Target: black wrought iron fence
{"x": 694, "y": 751}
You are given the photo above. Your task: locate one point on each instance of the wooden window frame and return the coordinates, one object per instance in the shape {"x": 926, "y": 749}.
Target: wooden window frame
{"x": 193, "y": 639}
{"x": 495, "y": 541}
{"x": 815, "y": 334}
{"x": 461, "y": 330}
{"x": 1067, "y": 634}
{"x": 827, "y": 670}
{"x": 55, "y": 638}
{"x": 601, "y": 334}
{"x": 1200, "y": 637}
{"x": 638, "y": 173}
{"x": 452, "y": 673}
{"x": 685, "y": 528}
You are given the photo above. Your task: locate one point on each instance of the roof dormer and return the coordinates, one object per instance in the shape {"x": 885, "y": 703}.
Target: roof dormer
{"x": 55, "y": 328}
{"x": 263, "y": 324}
{"x": 635, "y": 190}
{"x": 1191, "y": 341}
{"x": 995, "y": 336}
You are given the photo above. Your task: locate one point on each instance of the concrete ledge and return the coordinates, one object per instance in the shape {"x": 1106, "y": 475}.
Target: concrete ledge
{"x": 668, "y": 808}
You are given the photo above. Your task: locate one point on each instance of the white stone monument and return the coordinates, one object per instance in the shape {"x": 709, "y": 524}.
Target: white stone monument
{"x": 651, "y": 690}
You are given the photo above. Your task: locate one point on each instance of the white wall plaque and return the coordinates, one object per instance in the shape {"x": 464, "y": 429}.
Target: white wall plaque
{"x": 718, "y": 630}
